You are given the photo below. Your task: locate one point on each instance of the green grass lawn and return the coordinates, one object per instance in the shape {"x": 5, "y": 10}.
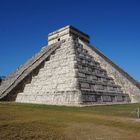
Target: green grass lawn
{"x": 43, "y": 122}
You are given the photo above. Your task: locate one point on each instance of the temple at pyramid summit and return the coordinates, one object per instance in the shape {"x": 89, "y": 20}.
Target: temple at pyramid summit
{"x": 70, "y": 71}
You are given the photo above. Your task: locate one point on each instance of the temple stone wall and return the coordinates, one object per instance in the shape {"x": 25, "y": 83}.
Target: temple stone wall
{"x": 71, "y": 76}
{"x": 126, "y": 85}
{"x": 56, "y": 81}
{"x": 96, "y": 86}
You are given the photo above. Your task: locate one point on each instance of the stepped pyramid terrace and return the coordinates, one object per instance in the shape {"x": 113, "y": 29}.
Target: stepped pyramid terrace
{"x": 70, "y": 71}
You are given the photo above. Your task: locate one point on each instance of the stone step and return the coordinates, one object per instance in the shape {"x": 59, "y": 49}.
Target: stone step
{"x": 103, "y": 92}
{"x": 98, "y": 83}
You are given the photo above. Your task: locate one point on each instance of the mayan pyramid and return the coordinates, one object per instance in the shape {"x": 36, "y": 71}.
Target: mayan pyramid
{"x": 69, "y": 71}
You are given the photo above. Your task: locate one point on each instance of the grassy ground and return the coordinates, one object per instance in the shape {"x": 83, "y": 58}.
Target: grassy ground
{"x": 43, "y": 122}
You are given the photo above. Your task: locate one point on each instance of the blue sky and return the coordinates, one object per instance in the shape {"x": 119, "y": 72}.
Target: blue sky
{"x": 113, "y": 25}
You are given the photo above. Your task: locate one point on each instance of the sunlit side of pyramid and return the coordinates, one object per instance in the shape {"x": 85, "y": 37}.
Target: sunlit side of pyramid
{"x": 69, "y": 71}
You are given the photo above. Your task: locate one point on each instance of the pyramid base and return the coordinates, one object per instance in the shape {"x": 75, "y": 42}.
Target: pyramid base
{"x": 73, "y": 98}
{"x": 51, "y": 98}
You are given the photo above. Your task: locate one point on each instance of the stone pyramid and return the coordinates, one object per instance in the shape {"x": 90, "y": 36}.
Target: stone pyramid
{"x": 69, "y": 71}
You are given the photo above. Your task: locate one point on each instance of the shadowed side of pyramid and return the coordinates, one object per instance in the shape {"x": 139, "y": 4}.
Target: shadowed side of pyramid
{"x": 128, "y": 85}
{"x": 70, "y": 72}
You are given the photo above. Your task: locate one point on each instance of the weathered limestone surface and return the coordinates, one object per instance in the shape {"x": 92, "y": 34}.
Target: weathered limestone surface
{"x": 122, "y": 79}
{"x": 56, "y": 82}
{"x": 70, "y": 72}
{"x": 95, "y": 85}
{"x": 71, "y": 76}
